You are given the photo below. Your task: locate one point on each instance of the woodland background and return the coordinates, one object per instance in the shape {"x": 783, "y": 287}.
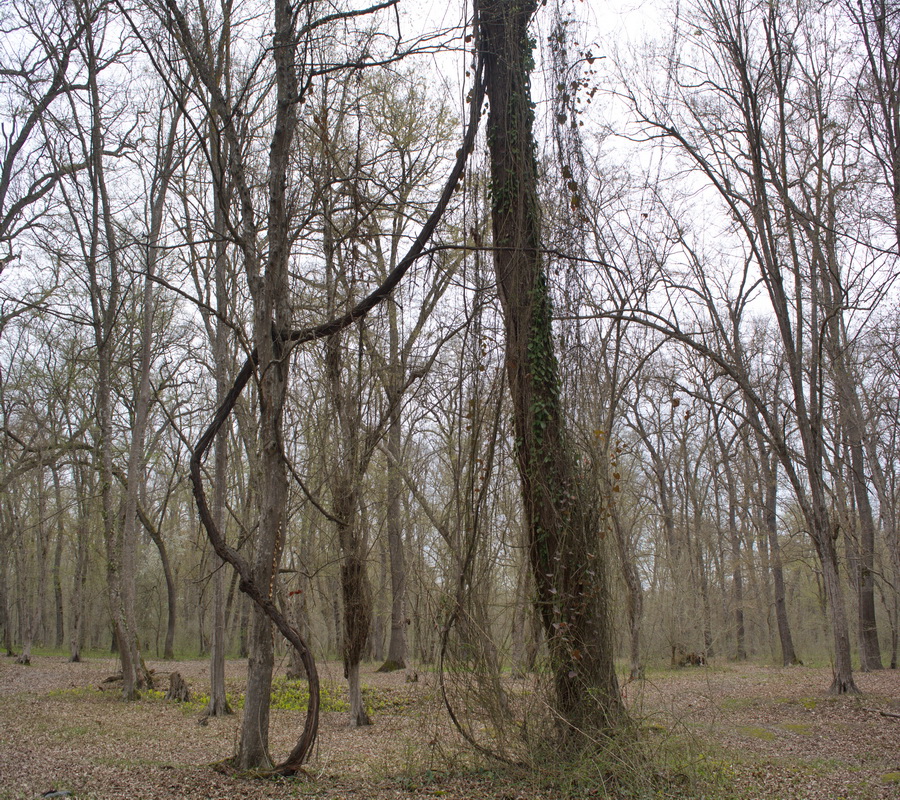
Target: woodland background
{"x": 720, "y": 206}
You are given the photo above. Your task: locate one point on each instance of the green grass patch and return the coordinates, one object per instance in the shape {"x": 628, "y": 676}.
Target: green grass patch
{"x": 755, "y": 732}
{"x": 294, "y": 696}
{"x": 738, "y": 703}
{"x": 85, "y": 693}
{"x": 69, "y": 732}
{"x": 290, "y": 695}
{"x": 809, "y": 703}
{"x": 793, "y": 727}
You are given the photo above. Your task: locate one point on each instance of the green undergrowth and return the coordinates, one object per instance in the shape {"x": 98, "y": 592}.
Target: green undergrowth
{"x": 756, "y": 732}
{"x": 644, "y": 760}
{"x": 798, "y": 728}
{"x": 288, "y": 695}
{"x": 662, "y": 766}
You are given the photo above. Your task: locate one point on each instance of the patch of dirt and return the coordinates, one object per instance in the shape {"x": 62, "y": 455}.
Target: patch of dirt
{"x": 771, "y": 733}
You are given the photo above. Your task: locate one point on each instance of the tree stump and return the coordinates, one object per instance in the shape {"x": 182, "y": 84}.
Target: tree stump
{"x": 178, "y": 689}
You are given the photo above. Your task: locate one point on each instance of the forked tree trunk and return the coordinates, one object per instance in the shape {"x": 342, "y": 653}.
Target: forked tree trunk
{"x": 564, "y": 541}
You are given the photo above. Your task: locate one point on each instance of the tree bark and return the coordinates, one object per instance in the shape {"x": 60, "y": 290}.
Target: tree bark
{"x": 396, "y": 658}
{"x": 770, "y": 479}
{"x": 82, "y": 493}
{"x": 218, "y": 701}
{"x": 564, "y": 541}
{"x": 346, "y": 476}
{"x": 57, "y": 566}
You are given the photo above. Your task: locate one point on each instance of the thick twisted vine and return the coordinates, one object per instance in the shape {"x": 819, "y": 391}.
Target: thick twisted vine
{"x": 291, "y": 339}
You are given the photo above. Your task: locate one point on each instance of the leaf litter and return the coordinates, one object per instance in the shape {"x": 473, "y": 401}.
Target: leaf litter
{"x": 766, "y": 733}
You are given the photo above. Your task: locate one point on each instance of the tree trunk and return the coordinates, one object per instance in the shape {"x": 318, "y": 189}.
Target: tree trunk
{"x": 737, "y": 577}
{"x": 39, "y": 626}
{"x": 870, "y": 651}
{"x": 105, "y": 309}
{"x": 519, "y": 623}
{"x": 5, "y": 615}
{"x": 298, "y": 614}
{"x": 347, "y": 469}
{"x": 770, "y": 476}
{"x": 76, "y": 632}
{"x": 218, "y": 701}
{"x": 272, "y": 498}
{"x": 396, "y": 658}
{"x": 634, "y": 598}
{"x": 842, "y": 682}
{"x": 564, "y": 544}
{"x": 171, "y": 590}
{"x": 60, "y": 636}
{"x": 891, "y": 535}
{"x": 23, "y": 575}
{"x": 356, "y": 591}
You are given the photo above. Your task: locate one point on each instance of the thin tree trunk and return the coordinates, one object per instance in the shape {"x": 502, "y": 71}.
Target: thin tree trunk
{"x": 891, "y": 537}
{"x": 298, "y": 610}
{"x": 76, "y": 633}
{"x": 38, "y": 626}
{"x": 57, "y": 565}
{"x": 171, "y": 589}
{"x": 23, "y": 578}
{"x": 788, "y": 654}
{"x": 870, "y": 651}
{"x": 519, "y": 623}
{"x": 5, "y": 615}
{"x": 634, "y": 598}
{"x": 396, "y": 658}
{"x": 218, "y": 701}
{"x": 737, "y": 577}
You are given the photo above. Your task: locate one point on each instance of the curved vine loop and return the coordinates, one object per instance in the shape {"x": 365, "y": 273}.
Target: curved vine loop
{"x": 457, "y": 607}
{"x": 302, "y": 749}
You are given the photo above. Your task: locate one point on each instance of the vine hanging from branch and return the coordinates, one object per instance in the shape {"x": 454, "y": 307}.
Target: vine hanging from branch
{"x": 289, "y": 340}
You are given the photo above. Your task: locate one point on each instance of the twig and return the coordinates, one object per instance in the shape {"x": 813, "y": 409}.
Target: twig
{"x": 890, "y": 714}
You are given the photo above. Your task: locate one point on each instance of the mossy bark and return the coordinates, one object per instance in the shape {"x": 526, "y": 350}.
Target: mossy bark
{"x": 564, "y": 534}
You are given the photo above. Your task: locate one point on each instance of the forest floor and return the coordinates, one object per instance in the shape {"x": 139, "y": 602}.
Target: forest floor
{"x": 740, "y": 730}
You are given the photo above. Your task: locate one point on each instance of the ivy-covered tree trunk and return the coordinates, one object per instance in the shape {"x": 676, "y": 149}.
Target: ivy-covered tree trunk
{"x": 563, "y": 528}
{"x": 346, "y": 477}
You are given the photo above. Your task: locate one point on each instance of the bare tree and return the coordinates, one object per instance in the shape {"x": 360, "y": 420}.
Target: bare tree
{"x": 878, "y": 93}
{"x": 265, "y": 230}
{"x": 40, "y": 70}
{"x": 763, "y": 129}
